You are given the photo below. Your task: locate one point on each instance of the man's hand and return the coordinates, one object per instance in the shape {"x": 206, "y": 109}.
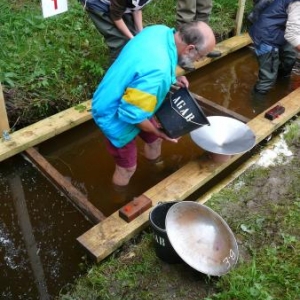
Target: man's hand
{"x": 182, "y": 81}
{"x": 166, "y": 138}
{"x": 147, "y": 126}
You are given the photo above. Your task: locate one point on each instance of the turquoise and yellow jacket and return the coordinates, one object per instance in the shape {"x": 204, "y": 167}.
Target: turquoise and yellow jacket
{"x": 136, "y": 84}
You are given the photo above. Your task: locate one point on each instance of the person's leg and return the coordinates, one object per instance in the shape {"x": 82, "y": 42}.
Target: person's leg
{"x": 268, "y": 69}
{"x": 126, "y": 161}
{"x": 114, "y": 39}
{"x": 122, "y": 176}
{"x": 185, "y": 11}
{"x": 203, "y": 10}
{"x": 288, "y": 57}
{"x": 152, "y": 147}
{"x": 152, "y": 150}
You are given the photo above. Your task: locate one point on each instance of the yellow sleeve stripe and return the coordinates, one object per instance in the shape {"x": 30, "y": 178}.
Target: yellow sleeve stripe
{"x": 142, "y": 100}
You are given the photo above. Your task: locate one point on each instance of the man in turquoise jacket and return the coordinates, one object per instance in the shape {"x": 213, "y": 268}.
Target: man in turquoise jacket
{"x": 135, "y": 86}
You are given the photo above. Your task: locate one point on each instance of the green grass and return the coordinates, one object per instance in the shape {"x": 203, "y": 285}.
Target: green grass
{"x": 51, "y": 58}
{"x": 291, "y": 134}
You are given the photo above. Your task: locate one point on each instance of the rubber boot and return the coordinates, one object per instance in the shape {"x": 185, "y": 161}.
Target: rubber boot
{"x": 288, "y": 57}
{"x": 268, "y": 68}
{"x": 214, "y": 54}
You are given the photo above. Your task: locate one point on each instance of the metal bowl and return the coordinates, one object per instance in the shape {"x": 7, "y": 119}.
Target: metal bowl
{"x": 224, "y": 136}
{"x": 201, "y": 238}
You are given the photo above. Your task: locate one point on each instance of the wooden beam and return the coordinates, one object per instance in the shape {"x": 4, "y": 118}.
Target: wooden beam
{"x": 219, "y": 110}
{"x": 77, "y": 198}
{"x": 214, "y": 108}
{"x": 225, "y": 47}
{"x": 45, "y": 129}
{"x": 239, "y": 17}
{"x": 4, "y": 125}
{"x": 105, "y": 237}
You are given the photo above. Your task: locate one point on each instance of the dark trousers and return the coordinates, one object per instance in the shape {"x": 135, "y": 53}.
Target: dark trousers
{"x": 113, "y": 37}
{"x": 272, "y": 65}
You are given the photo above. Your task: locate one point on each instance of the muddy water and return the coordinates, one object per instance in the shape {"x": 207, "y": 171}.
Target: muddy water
{"x": 229, "y": 82}
{"x": 39, "y": 227}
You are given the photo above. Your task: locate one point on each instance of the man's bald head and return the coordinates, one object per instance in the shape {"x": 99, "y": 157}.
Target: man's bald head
{"x": 198, "y": 34}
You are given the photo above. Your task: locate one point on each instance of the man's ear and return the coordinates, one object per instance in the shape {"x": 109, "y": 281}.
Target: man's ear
{"x": 189, "y": 48}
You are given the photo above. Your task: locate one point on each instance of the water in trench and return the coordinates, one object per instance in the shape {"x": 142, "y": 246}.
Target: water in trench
{"x": 39, "y": 227}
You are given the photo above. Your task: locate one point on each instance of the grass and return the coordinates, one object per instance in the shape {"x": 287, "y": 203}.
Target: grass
{"x": 48, "y": 65}
{"x": 262, "y": 207}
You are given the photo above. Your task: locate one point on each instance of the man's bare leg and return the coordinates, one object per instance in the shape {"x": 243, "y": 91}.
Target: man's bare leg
{"x": 152, "y": 151}
{"x": 122, "y": 175}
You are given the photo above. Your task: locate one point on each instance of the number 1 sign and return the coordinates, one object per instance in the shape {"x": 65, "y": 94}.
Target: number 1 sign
{"x": 54, "y": 7}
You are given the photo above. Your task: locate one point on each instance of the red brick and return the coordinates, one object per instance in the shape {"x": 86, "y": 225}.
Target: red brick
{"x": 135, "y": 208}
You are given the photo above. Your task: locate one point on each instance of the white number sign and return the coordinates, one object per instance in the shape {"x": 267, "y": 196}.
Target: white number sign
{"x": 54, "y": 7}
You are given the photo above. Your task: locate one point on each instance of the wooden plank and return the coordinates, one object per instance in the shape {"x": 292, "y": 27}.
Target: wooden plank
{"x": 215, "y": 108}
{"x": 225, "y": 47}
{"x": 105, "y": 237}
{"x": 78, "y": 199}
{"x": 4, "y": 125}
{"x": 45, "y": 129}
{"x": 220, "y": 110}
{"x": 239, "y": 17}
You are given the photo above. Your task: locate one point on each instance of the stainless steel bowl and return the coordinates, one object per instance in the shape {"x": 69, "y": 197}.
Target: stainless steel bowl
{"x": 224, "y": 136}
{"x": 201, "y": 238}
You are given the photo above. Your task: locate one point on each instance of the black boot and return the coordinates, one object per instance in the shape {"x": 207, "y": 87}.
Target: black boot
{"x": 214, "y": 54}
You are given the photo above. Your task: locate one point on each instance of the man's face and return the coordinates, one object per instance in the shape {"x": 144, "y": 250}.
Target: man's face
{"x": 186, "y": 60}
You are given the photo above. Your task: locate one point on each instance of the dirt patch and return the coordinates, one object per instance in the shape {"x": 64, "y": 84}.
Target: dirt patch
{"x": 25, "y": 108}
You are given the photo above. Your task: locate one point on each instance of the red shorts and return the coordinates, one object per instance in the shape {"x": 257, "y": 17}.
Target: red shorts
{"x": 126, "y": 157}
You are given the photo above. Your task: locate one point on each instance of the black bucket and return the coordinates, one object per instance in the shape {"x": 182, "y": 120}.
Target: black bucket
{"x": 180, "y": 114}
{"x": 163, "y": 247}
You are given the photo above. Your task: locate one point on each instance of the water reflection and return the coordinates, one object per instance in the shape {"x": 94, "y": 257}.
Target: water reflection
{"x": 39, "y": 253}
{"x": 229, "y": 82}
{"x": 19, "y": 200}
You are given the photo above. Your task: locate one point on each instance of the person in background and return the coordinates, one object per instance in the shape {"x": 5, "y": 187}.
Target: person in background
{"x": 117, "y": 20}
{"x": 195, "y": 10}
{"x": 135, "y": 86}
{"x": 275, "y": 33}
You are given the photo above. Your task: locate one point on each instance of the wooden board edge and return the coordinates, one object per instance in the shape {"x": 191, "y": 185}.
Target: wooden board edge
{"x": 43, "y": 130}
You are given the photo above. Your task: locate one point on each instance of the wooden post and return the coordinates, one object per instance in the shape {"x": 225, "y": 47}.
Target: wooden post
{"x": 4, "y": 125}
{"x": 239, "y": 17}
